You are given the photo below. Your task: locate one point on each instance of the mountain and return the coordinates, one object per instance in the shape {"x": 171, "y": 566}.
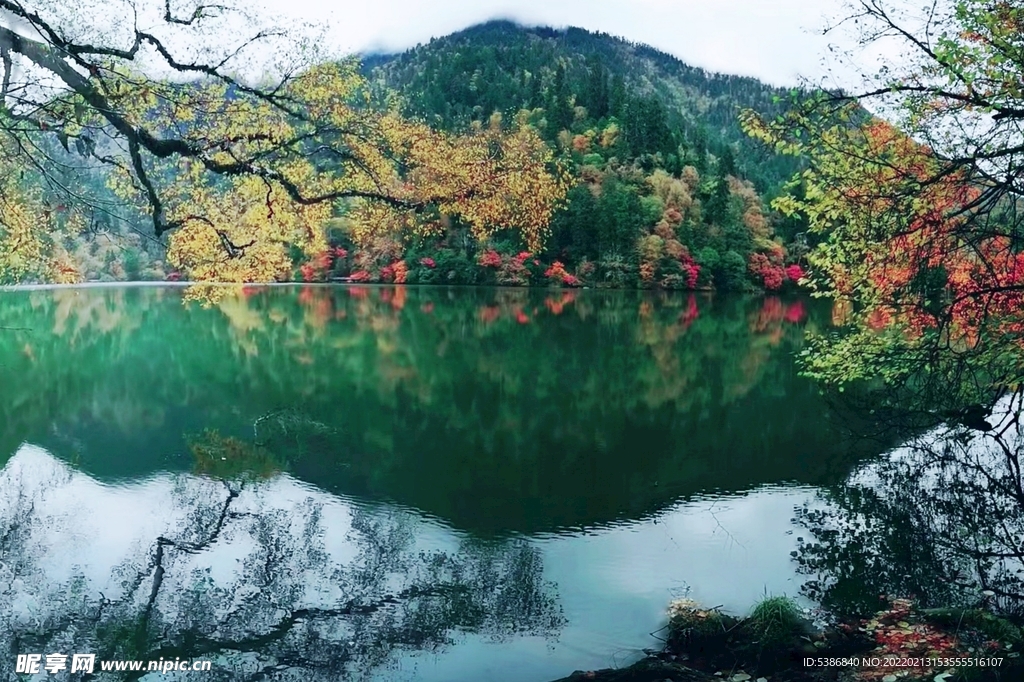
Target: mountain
{"x": 666, "y": 191}
{"x": 661, "y": 103}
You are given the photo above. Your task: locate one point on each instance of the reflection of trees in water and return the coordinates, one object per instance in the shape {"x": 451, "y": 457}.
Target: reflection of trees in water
{"x": 254, "y": 584}
{"x": 135, "y": 359}
{"x": 555, "y": 409}
{"x": 941, "y": 520}
{"x": 316, "y": 341}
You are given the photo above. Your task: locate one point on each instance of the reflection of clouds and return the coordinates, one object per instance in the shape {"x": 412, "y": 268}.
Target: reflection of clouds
{"x": 613, "y": 583}
{"x": 729, "y": 551}
{"x": 79, "y": 524}
{"x": 314, "y": 585}
{"x": 84, "y": 529}
{"x": 616, "y": 582}
{"x": 929, "y": 453}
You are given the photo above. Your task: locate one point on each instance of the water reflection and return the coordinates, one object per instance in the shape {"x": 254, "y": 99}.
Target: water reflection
{"x": 267, "y": 579}
{"x": 303, "y": 482}
{"x": 598, "y": 406}
{"x": 941, "y": 519}
{"x": 274, "y": 579}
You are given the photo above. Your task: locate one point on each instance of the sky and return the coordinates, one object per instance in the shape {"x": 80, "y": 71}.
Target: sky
{"x": 778, "y": 41}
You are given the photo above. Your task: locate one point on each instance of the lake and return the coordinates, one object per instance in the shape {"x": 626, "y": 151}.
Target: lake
{"x": 398, "y": 483}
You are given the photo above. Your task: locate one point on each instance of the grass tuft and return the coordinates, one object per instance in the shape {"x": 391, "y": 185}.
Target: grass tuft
{"x": 774, "y": 621}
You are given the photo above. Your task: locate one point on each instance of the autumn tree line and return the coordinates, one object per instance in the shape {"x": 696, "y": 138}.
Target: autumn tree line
{"x": 521, "y": 157}
{"x": 656, "y": 197}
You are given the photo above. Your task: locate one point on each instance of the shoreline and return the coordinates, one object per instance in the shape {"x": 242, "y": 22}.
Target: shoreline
{"x": 778, "y": 643}
{"x": 184, "y": 284}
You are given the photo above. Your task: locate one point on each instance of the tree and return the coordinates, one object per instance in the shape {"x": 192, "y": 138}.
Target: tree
{"x": 26, "y": 250}
{"x": 920, "y": 215}
{"x": 620, "y": 218}
{"x": 597, "y": 88}
{"x": 617, "y": 96}
{"x": 726, "y": 162}
{"x": 575, "y": 228}
{"x": 559, "y": 109}
{"x": 717, "y": 211}
{"x": 732, "y": 271}
{"x": 646, "y": 126}
{"x": 238, "y": 174}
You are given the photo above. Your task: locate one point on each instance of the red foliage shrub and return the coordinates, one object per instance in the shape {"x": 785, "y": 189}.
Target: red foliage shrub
{"x": 647, "y": 273}
{"x": 400, "y": 272}
{"x": 692, "y": 272}
{"x": 558, "y": 275}
{"x": 489, "y": 259}
{"x": 772, "y": 276}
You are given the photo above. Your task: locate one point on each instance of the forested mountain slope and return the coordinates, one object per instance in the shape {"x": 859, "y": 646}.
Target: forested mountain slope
{"x": 660, "y": 102}
{"x": 667, "y": 190}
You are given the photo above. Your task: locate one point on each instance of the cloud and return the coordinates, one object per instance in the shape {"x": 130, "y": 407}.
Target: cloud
{"x": 777, "y": 41}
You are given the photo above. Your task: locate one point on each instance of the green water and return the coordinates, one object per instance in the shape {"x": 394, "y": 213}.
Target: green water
{"x": 398, "y": 484}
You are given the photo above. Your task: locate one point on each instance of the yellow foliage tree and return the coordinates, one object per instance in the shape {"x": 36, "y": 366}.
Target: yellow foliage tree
{"x": 31, "y": 229}
{"x": 240, "y": 176}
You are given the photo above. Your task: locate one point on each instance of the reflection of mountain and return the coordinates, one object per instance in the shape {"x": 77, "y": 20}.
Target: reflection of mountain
{"x": 268, "y": 580}
{"x": 493, "y": 409}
